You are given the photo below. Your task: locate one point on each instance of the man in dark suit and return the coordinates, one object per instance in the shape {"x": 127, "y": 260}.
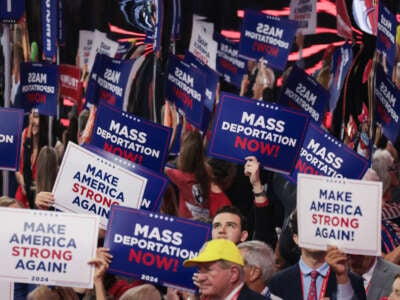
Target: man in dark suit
{"x": 318, "y": 274}
{"x": 378, "y": 274}
{"x": 220, "y": 272}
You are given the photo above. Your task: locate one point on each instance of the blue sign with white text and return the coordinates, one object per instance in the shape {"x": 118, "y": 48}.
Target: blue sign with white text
{"x": 302, "y": 90}
{"x": 10, "y": 137}
{"x": 49, "y": 29}
{"x": 229, "y": 64}
{"x": 387, "y": 104}
{"x": 186, "y": 87}
{"x": 39, "y": 87}
{"x": 266, "y": 36}
{"x": 386, "y": 38}
{"x": 211, "y": 79}
{"x": 11, "y": 11}
{"x": 341, "y": 63}
{"x": 109, "y": 80}
{"x": 247, "y": 127}
{"x": 156, "y": 183}
{"x": 152, "y": 247}
{"x": 92, "y": 82}
{"x": 133, "y": 138}
{"x": 322, "y": 154}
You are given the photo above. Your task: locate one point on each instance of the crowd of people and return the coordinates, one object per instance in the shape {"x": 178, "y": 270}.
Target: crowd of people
{"x": 253, "y": 252}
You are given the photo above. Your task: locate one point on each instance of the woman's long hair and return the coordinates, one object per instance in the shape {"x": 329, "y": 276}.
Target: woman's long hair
{"x": 47, "y": 168}
{"x": 191, "y": 160}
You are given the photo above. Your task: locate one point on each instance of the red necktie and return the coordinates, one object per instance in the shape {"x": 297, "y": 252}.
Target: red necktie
{"x": 312, "y": 292}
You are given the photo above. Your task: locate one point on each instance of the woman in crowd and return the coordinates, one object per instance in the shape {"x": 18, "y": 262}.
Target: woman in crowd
{"x": 34, "y": 137}
{"x": 47, "y": 169}
{"x": 191, "y": 177}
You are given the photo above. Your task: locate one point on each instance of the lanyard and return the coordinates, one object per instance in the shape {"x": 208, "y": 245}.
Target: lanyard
{"x": 323, "y": 287}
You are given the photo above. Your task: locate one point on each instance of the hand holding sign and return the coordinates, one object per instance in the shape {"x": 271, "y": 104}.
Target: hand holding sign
{"x": 44, "y": 200}
{"x": 336, "y": 212}
{"x": 337, "y": 260}
{"x": 101, "y": 263}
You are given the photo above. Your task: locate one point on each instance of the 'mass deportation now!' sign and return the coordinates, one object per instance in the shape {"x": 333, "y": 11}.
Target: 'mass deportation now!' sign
{"x": 49, "y": 248}
{"x": 39, "y": 87}
{"x": 10, "y": 137}
{"x": 186, "y": 87}
{"x": 322, "y": 154}
{"x": 110, "y": 80}
{"x": 341, "y": 212}
{"x": 386, "y": 38}
{"x": 387, "y": 111}
{"x": 152, "y": 247}
{"x": 301, "y": 90}
{"x": 266, "y": 36}
{"x": 138, "y": 140}
{"x": 156, "y": 182}
{"x": 244, "y": 127}
{"x": 229, "y": 64}
{"x": 86, "y": 183}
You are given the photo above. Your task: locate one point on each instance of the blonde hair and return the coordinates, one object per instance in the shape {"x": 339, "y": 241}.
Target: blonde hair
{"x": 57, "y": 293}
{"x": 6, "y": 201}
{"x": 145, "y": 291}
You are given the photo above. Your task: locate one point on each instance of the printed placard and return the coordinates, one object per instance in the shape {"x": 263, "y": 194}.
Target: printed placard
{"x": 133, "y": 138}
{"x": 322, "y": 154}
{"x": 304, "y": 12}
{"x": 84, "y": 46}
{"x": 386, "y": 38}
{"x": 342, "y": 212}
{"x": 10, "y": 137}
{"x": 49, "y": 28}
{"x": 70, "y": 82}
{"x": 211, "y": 79}
{"x": 86, "y": 183}
{"x": 229, "y": 64}
{"x": 6, "y": 290}
{"x": 39, "y": 87}
{"x": 202, "y": 44}
{"x": 152, "y": 247}
{"x": 387, "y": 105}
{"x": 101, "y": 44}
{"x": 48, "y": 248}
{"x": 186, "y": 87}
{"x": 109, "y": 80}
{"x": 266, "y": 36}
{"x": 123, "y": 49}
{"x": 341, "y": 63}
{"x": 245, "y": 127}
{"x": 11, "y": 11}
{"x": 303, "y": 91}
{"x": 156, "y": 182}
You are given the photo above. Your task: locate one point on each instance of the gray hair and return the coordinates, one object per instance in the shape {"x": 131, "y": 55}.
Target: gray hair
{"x": 260, "y": 255}
{"x": 382, "y": 160}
